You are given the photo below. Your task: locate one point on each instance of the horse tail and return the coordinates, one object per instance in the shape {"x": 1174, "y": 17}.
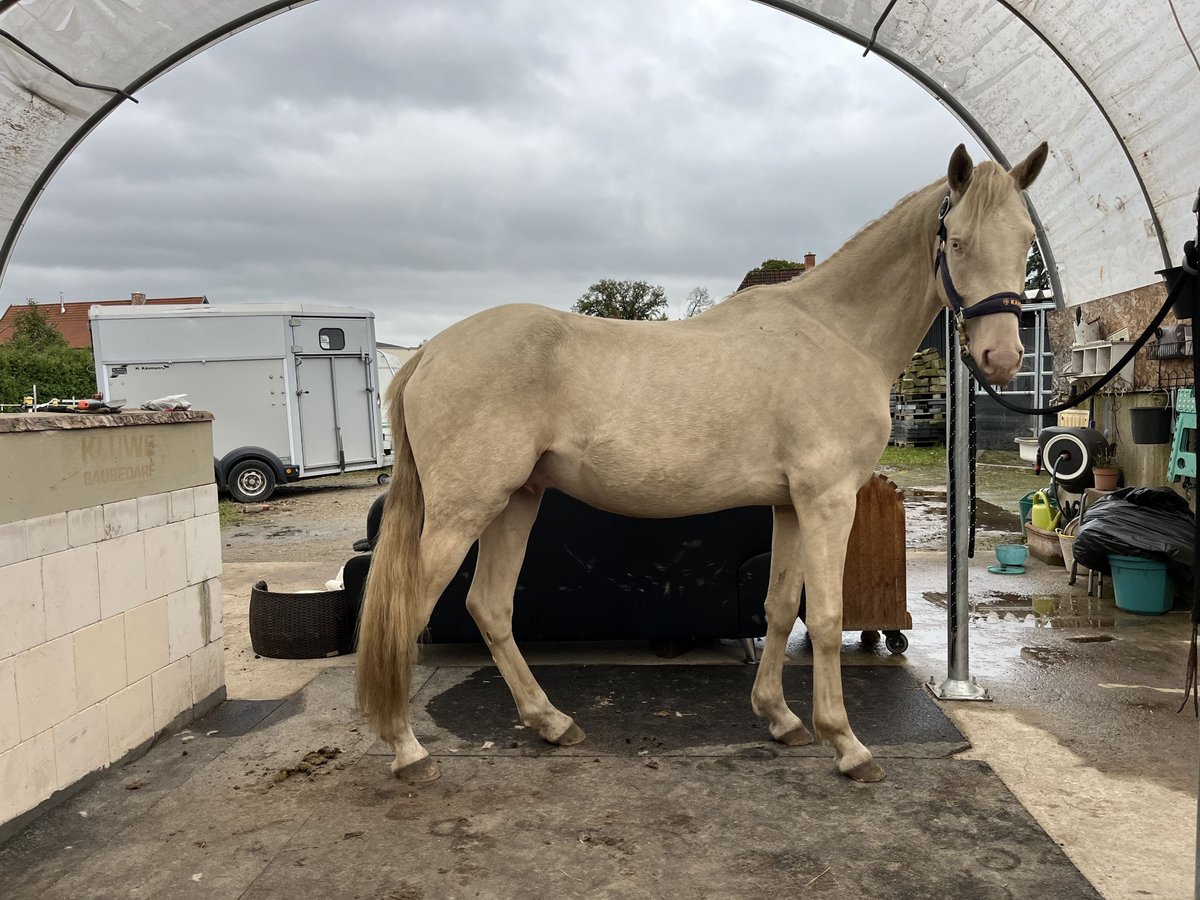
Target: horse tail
{"x": 389, "y": 626}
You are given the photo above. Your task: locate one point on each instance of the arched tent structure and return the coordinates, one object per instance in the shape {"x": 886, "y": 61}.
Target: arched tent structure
{"x": 1114, "y": 88}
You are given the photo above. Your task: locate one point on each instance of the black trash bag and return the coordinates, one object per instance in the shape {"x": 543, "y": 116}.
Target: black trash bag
{"x": 1138, "y": 521}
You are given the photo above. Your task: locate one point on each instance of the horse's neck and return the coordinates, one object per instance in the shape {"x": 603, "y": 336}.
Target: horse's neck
{"x": 878, "y": 290}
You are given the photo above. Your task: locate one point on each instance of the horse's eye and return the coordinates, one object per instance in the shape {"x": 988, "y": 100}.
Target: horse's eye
{"x": 956, "y": 245}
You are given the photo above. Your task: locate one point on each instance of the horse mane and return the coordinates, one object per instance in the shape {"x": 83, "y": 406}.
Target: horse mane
{"x": 847, "y": 256}
{"x": 912, "y": 217}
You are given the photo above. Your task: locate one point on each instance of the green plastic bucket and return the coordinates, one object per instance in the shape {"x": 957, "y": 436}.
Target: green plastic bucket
{"x": 1141, "y": 585}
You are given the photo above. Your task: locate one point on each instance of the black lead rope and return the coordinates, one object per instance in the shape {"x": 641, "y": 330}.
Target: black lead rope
{"x": 972, "y": 449}
{"x": 1177, "y": 291}
{"x": 1010, "y": 302}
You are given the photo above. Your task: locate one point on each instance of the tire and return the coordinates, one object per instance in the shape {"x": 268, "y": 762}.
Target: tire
{"x": 251, "y": 481}
{"x": 383, "y": 478}
{"x": 869, "y": 638}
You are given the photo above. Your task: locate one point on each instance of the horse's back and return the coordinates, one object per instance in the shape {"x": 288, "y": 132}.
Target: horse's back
{"x": 650, "y": 418}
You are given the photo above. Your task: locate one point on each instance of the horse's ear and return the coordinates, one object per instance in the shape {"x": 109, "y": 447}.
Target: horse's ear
{"x": 960, "y": 169}
{"x": 1026, "y": 172}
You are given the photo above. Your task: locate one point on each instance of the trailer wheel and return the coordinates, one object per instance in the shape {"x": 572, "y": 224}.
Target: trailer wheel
{"x": 383, "y": 478}
{"x": 251, "y": 481}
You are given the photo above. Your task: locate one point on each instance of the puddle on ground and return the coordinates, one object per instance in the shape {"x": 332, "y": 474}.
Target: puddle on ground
{"x": 925, "y": 519}
{"x": 1046, "y": 656}
{"x": 1036, "y": 610}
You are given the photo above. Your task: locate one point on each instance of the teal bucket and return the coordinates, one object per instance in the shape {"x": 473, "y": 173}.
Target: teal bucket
{"x": 1141, "y": 585}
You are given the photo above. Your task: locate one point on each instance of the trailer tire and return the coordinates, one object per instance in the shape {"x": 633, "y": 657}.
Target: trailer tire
{"x": 251, "y": 481}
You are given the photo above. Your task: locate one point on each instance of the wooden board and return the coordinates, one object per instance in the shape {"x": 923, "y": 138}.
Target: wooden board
{"x": 875, "y": 585}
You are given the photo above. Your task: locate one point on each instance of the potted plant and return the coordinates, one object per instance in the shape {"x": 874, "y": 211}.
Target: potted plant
{"x": 1105, "y": 470}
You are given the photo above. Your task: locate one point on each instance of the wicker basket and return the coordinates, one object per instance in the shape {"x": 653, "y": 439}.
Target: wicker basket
{"x": 301, "y": 626}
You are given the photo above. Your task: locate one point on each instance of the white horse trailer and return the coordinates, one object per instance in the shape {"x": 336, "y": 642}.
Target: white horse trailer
{"x": 294, "y": 390}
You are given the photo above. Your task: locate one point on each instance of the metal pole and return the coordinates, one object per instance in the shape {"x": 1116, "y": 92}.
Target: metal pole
{"x": 959, "y": 685}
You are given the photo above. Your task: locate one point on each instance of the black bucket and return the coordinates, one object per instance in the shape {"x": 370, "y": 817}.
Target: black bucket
{"x": 1186, "y": 303}
{"x": 1151, "y": 424}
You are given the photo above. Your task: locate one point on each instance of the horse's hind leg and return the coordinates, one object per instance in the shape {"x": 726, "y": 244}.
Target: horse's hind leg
{"x": 490, "y": 602}
{"x": 443, "y": 549}
{"x": 824, "y": 533}
{"x": 783, "y": 601}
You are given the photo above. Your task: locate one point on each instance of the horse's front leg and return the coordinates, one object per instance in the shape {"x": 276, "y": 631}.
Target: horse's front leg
{"x": 783, "y": 600}
{"x": 824, "y": 533}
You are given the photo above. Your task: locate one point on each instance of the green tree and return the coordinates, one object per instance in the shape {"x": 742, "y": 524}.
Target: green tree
{"x": 698, "y": 301}
{"x": 774, "y": 265}
{"x": 612, "y": 299}
{"x": 1036, "y": 276}
{"x": 33, "y": 330}
{"x": 38, "y": 354}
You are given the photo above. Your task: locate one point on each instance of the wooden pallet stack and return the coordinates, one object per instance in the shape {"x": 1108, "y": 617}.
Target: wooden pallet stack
{"x": 919, "y": 402}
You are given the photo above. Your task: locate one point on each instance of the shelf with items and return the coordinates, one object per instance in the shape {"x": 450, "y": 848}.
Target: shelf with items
{"x": 1172, "y": 350}
{"x": 1095, "y": 358}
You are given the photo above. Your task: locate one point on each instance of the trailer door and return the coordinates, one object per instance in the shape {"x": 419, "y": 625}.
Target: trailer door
{"x": 318, "y": 423}
{"x": 355, "y": 408}
{"x": 336, "y": 412}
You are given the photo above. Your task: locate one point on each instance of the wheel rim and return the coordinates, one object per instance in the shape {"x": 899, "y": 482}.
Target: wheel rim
{"x": 252, "y": 482}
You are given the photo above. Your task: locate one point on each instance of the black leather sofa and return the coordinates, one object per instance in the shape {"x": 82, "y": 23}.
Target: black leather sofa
{"x": 592, "y": 575}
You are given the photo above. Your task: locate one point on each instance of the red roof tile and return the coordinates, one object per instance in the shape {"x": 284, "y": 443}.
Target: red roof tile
{"x": 71, "y": 319}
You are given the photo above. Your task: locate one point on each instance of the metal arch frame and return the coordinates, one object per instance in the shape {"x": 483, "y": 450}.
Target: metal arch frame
{"x": 944, "y": 96}
{"x": 785, "y": 6}
{"x": 233, "y": 26}
{"x": 959, "y": 111}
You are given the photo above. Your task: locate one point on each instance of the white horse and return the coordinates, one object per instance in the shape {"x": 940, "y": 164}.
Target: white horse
{"x": 777, "y": 396}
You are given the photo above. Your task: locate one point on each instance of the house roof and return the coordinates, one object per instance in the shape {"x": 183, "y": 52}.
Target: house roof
{"x": 756, "y": 277}
{"x": 71, "y": 319}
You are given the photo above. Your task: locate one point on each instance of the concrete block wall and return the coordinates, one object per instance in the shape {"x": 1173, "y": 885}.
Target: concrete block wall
{"x": 110, "y": 632}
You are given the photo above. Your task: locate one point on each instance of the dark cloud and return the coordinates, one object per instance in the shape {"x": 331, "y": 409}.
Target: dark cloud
{"x": 430, "y": 160}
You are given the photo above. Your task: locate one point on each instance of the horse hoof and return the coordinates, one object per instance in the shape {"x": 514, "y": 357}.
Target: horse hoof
{"x": 869, "y": 771}
{"x": 573, "y": 735}
{"x": 423, "y": 771}
{"x": 797, "y": 737}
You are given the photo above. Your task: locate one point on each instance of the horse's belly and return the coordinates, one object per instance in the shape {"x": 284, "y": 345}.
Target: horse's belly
{"x": 659, "y": 491}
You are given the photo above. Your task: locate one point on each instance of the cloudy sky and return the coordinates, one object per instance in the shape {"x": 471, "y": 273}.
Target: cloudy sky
{"x": 428, "y": 160}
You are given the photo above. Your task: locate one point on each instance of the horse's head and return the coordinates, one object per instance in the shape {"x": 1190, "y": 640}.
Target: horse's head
{"x": 987, "y": 236}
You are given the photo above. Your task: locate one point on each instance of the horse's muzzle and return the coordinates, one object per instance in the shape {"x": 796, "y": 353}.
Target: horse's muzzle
{"x": 1000, "y": 366}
